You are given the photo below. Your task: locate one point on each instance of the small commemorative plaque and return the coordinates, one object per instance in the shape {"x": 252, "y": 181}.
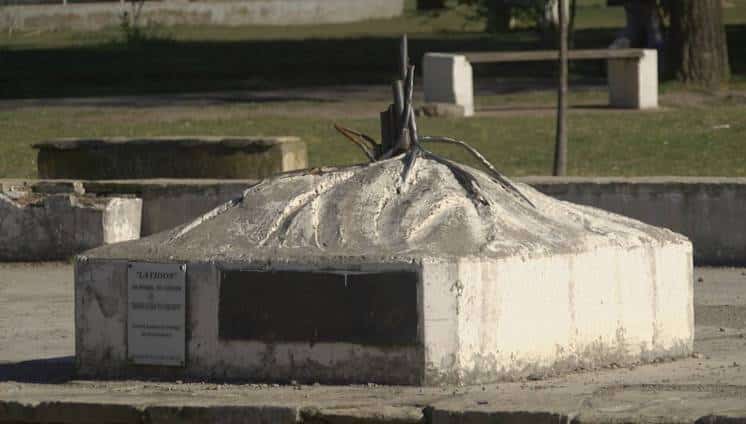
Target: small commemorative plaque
{"x": 156, "y": 316}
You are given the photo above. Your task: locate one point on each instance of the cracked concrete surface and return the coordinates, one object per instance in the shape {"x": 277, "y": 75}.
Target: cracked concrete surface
{"x": 37, "y": 385}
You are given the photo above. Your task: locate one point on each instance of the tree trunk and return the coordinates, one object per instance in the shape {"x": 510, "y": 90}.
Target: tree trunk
{"x": 571, "y": 24}
{"x": 431, "y": 4}
{"x": 698, "y": 50}
{"x": 560, "y": 146}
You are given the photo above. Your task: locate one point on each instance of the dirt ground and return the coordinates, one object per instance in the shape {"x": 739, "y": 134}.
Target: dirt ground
{"x": 36, "y": 311}
{"x": 37, "y": 381}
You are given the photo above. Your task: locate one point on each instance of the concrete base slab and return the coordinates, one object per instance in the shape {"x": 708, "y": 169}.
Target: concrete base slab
{"x": 707, "y": 387}
{"x": 35, "y": 227}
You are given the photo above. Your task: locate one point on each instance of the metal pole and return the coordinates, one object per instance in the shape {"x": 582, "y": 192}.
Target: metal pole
{"x": 560, "y": 147}
{"x": 403, "y": 58}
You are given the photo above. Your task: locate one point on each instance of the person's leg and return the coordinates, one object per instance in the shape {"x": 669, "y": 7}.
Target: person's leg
{"x": 632, "y": 34}
{"x": 653, "y": 29}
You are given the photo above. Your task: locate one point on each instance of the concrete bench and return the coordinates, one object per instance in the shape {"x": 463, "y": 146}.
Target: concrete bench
{"x": 632, "y": 74}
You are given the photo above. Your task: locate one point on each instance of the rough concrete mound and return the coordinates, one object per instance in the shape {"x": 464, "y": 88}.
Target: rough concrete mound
{"x": 370, "y": 211}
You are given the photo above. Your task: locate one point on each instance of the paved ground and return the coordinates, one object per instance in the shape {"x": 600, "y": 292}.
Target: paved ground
{"x": 37, "y": 385}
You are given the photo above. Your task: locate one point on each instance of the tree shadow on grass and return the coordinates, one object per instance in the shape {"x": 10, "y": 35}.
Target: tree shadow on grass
{"x": 737, "y": 48}
{"x": 152, "y": 100}
{"x": 159, "y": 66}
{"x": 171, "y": 66}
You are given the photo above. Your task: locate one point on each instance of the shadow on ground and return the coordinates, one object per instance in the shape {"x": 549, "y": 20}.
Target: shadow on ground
{"x": 163, "y": 65}
{"x": 50, "y": 370}
{"x": 185, "y": 66}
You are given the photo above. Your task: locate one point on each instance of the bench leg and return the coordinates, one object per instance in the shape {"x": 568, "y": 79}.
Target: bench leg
{"x": 448, "y": 80}
{"x": 633, "y": 83}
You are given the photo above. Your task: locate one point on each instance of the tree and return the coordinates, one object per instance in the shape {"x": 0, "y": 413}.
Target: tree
{"x": 697, "y": 51}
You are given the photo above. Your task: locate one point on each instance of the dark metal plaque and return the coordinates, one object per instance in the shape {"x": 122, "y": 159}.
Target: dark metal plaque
{"x": 294, "y": 306}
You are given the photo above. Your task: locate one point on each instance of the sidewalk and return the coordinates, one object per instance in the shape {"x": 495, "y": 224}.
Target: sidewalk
{"x": 37, "y": 382}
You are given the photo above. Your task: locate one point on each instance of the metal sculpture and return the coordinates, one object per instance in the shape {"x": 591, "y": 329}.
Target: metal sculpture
{"x": 400, "y": 137}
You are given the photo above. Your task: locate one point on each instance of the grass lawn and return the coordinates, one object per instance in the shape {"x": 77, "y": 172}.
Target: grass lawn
{"x": 704, "y": 138}
{"x": 699, "y": 140}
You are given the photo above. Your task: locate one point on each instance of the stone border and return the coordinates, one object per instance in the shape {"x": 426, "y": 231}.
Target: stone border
{"x": 707, "y": 210}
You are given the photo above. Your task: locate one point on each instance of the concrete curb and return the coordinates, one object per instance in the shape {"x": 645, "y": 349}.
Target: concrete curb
{"x": 68, "y": 411}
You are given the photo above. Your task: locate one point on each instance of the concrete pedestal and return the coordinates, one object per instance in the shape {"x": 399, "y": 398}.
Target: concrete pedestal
{"x": 633, "y": 83}
{"x": 448, "y": 79}
{"x": 310, "y": 278}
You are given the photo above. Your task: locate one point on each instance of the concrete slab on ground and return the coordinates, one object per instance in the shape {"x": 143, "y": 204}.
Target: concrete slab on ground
{"x": 37, "y": 384}
{"x": 55, "y": 226}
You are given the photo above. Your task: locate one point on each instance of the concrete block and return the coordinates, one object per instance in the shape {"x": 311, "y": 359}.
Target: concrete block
{"x": 35, "y": 227}
{"x": 448, "y": 79}
{"x": 169, "y": 157}
{"x": 633, "y": 83}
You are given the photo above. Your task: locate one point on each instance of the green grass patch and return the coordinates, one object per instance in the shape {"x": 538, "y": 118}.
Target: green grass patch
{"x": 697, "y": 141}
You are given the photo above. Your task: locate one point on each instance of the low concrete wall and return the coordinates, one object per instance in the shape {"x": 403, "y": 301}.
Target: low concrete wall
{"x": 240, "y": 12}
{"x": 709, "y": 211}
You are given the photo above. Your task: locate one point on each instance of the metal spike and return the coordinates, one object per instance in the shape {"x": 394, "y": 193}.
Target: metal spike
{"x": 403, "y": 57}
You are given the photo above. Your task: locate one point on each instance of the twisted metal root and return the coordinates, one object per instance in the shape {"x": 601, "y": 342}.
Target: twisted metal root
{"x": 409, "y": 142}
{"x": 359, "y": 139}
{"x": 464, "y": 178}
{"x": 494, "y": 173}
